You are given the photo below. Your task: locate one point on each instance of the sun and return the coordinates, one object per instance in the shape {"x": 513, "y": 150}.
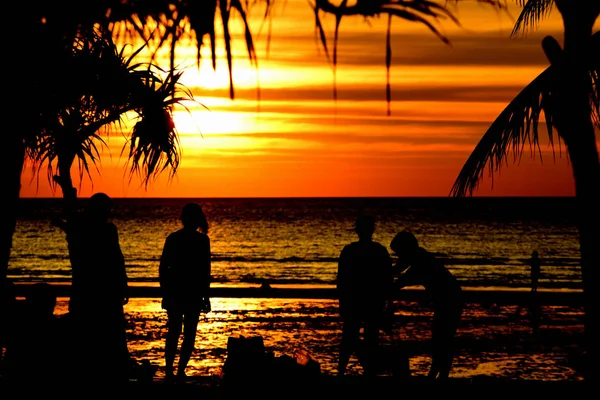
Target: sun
{"x": 207, "y": 122}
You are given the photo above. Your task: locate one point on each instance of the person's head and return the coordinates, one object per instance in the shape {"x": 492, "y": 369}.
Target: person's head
{"x": 405, "y": 245}
{"x": 99, "y": 207}
{"x": 192, "y": 216}
{"x": 364, "y": 226}
{"x": 535, "y": 254}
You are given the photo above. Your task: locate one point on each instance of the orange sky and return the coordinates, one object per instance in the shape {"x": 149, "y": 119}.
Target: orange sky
{"x": 302, "y": 143}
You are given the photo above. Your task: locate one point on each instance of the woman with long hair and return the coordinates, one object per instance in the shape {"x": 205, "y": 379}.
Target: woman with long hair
{"x": 184, "y": 273}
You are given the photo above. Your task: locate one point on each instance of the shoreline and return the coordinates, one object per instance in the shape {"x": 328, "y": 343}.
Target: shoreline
{"x": 496, "y": 343}
{"x": 488, "y": 295}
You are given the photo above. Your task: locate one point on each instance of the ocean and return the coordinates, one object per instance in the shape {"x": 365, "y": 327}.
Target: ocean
{"x": 484, "y": 241}
{"x": 295, "y": 242}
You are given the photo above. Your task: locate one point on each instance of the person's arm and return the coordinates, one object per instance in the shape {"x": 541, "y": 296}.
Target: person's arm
{"x": 163, "y": 264}
{"x": 341, "y": 280}
{"x": 387, "y": 282}
{"x": 342, "y": 285}
{"x": 163, "y": 267}
{"x": 208, "y": 267}
{"x": 389, "y": 270}
{"x": 409, "y": 277}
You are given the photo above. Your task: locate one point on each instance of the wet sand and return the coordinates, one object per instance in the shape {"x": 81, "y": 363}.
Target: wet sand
{"x": 497, "y": 341}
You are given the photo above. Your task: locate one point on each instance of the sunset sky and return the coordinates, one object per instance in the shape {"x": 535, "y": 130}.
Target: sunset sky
{"x": 297, "y": 141}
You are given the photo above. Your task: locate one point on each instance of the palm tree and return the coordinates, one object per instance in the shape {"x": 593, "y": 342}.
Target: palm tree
{"x": 62, "y": 25}
{"x": 76, "y": 86}
{"x": 567, "y": 93}
{"x": 89, "y": 95}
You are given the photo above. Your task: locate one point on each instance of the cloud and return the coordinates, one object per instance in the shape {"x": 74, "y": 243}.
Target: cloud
{"x": 475, "y": 92}
{"x": 414, "y": 49}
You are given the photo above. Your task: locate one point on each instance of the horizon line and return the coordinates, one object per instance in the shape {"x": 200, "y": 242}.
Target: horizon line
{"x": 317, "y": 197}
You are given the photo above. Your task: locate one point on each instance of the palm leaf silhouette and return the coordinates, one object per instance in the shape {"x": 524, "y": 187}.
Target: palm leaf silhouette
{"x": 425, "y": 12}
{"x": 517, "y": 126}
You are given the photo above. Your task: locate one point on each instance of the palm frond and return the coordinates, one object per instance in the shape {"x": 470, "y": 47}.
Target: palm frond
{"x": 164, "y": 23}
{"x": 153, "y": 146}
{"x": 517, "y": 125}
{"x": 532, "y": 13}
{"x": 422, "y": 11}
{"x": 410, "y": 10}
{"x": 91, "y": 92}
{"x": 514, "y": 128}
{"x": 62, "y": 146}
{"x": 425, "y": 12}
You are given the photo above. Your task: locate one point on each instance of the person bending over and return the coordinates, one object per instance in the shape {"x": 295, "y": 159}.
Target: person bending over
{"x": 418, "y": 267}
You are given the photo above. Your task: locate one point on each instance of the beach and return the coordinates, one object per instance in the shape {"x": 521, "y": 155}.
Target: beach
{"x": 496, "y": 340}
{"x": 492, "y": 341}
{"x": 294, "y": 243}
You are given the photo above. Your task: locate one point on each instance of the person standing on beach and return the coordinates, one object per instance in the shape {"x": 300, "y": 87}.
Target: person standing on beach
{"x": 535, "y": 310}
{"x": 184, "y": 273}
{"x": 364, "y": 281}
{"x": 534, "y": 264}
{"x": 419, "y": 267}
{"x": 99, "y": 288}
{"x": 532, "y": 301}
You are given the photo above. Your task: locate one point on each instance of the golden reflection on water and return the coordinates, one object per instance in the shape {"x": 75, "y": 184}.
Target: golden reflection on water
{"x": 493, "y": 341}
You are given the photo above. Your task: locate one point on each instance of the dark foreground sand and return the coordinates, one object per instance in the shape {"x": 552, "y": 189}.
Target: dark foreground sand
{"x": 326, "y": 387}
{"x": 498, "y": 346}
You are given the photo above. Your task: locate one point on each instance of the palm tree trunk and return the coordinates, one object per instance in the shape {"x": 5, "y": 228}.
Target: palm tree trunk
{"x": 65, "y": 181}
{"x": 13, "y": 158}
{"x": 586, "y": 171}
{"x": 574, "y": 123}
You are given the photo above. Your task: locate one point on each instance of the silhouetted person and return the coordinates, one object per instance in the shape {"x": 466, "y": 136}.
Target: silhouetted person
{"x": 185, "y": 271}
{"x": 534, "y": 264}
{"x": 265, "y": 285}
{"x": 364, "y": 280}
{"x": 99, "y": 287}
{"x": 419, "y": 267}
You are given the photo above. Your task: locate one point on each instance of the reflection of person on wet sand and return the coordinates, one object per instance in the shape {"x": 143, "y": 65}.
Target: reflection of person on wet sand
{"x": 420, "y": 267}
{"x": 184, "y": 271}
{"x": 363, "y": 283}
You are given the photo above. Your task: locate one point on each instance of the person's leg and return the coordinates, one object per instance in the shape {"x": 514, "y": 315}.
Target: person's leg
{"x": 371, "y": 342}
{"x": 439, "y": 335}
{"x": 122, "y": 358}
{"x": 446, "y": 343}
{"x": 190, "y": 326}
{"x": 350, "y": 332}
{"x": 174, "y": 321}
{"x": 442, "y": 362}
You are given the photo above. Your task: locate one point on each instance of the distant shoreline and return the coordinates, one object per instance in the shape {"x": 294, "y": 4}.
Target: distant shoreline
{"x": 59, "y": 198}
{"x": 491, "y": 295}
